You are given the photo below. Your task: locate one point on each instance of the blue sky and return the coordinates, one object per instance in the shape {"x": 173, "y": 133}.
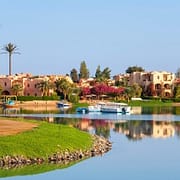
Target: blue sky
{"x": 55, "y": 36}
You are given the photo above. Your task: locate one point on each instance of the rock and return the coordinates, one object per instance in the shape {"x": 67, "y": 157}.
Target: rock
{"x": 100, "y": 146}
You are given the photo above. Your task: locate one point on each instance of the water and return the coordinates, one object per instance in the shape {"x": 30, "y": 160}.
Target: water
{"x": 145, "y": 146}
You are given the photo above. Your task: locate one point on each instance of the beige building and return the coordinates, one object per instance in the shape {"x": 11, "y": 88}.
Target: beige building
{"x": 28, "y": 83}
{"x": 155, "y": 83}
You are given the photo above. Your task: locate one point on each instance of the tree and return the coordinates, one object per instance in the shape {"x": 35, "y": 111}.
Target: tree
{"x": 10, "y": 49}
{"x": 45, "y": 86}
{"x": 98, "y": 72}
{"x": 123, "y": 82}
{"x": 17, "y": 88}
{"x": 178, "y": 73}
{"x": 84, "y": 72}
{"x": 132, "y": 69}
{"x": 177, "y": 91}
{"x": 104, "y": 75}
{"x": 74, "y": 75}
{"x": 136, "y": 90}
{"x": 64, "y": 86}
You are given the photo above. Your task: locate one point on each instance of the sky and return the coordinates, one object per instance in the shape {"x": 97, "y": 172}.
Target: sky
{"x": 55, "y": 36}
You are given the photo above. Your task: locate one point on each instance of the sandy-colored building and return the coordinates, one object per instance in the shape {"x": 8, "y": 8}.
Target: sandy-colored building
{"x": 155, "y": 83}
{"x": 28, "y": 83}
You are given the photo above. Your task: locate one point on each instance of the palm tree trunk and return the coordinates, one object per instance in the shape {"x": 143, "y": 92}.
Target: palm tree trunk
{"x": 9, "y": 63}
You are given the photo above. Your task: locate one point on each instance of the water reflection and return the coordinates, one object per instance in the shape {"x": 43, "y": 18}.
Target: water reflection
{"x": 45, "y": 109}
{"x": 132, "y": 129}
{"x": 157, "y": 124}
{"x": 137, "y": 130}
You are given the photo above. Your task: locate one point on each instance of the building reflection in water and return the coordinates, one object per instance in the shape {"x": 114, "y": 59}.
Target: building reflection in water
{"x": 137, "y": 130}
{"x": 133, "y": 130}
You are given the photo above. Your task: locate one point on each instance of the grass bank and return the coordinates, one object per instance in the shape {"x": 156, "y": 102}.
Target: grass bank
{"x": 45, "y": 140}
{"x": 150, "y": 103}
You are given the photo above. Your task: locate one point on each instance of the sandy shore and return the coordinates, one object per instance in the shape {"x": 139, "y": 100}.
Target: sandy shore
{"x": 10, "y": 127}
{"x": 36, "y": 103}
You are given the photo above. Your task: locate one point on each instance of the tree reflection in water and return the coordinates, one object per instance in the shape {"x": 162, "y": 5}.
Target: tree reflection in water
{"x": 132, "y": 129}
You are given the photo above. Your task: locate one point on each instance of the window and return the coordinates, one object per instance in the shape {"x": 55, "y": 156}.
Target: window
{"x": 5, "y": 84}
{"x": 165, "y": 132}
{"x": 165, "y": 77}
{"x": 28, "y": 85}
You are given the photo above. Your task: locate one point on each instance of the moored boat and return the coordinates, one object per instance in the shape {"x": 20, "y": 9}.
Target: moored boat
{"x": 82, "y": 110}
{"x": 96, "y": 107}
{"x": 9, "y": 104}
{"x": 9, "y": 101}
{"x": 62, "y": 104}
{"x": 116, "y": 108}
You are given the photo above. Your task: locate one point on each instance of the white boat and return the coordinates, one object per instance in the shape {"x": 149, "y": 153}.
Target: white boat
{"x": 62, "y": 104}
{"x": 96, "y": 107}
{"x": 116, "y": 108}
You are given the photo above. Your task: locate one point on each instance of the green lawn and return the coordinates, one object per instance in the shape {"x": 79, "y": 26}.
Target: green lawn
{"x": 45, "y": 140}
{"x": 150, "y": 103}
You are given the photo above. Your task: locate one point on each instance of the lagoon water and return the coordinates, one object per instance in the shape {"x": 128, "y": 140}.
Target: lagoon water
{"x": 145, "y": 146}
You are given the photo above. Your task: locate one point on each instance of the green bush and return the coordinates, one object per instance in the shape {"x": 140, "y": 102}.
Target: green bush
{"x": 73, "y": 98}
{"x": 177, "y": 100}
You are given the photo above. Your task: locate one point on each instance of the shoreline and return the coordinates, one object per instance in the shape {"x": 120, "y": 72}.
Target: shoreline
{"x": 10, "y": 128}
{"x": 37, "y": 103}
{"x": 100, "y": 146}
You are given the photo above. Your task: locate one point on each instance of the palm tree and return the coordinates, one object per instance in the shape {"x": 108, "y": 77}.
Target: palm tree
{"x": 45, "y": 86}
{"x": 17, "y": 89}
{"x": 10, "y": 49}
{"x": 63, "y": 86}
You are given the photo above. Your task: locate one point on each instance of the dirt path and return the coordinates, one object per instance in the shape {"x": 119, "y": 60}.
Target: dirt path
{"x": 10, "y": 127}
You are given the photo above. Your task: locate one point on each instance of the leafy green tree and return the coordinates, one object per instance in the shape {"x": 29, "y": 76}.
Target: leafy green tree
{"x": 128, "y": 93}
{"x": 74, "y": 75}
{"x": 64, "y": 86}
{"x": 73, "y": 94}
{"x": 132, "y": 69}
{"x": 104, "y": 75}
{"x": 177, "y": 91}
{"x": 136, "y": 90}
{"x": 98, "y": 72}
{"x": 84, "y": 72}
{"x": 45, "y": 86}
{"x": 132, "y": 91}
{"x": 17, "y": 88}
{"x": 123, "y": 82}
{"x": 10, "y": 49}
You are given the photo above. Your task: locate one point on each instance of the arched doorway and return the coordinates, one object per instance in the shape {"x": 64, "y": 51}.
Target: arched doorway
{"x": 5, "y": 93}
